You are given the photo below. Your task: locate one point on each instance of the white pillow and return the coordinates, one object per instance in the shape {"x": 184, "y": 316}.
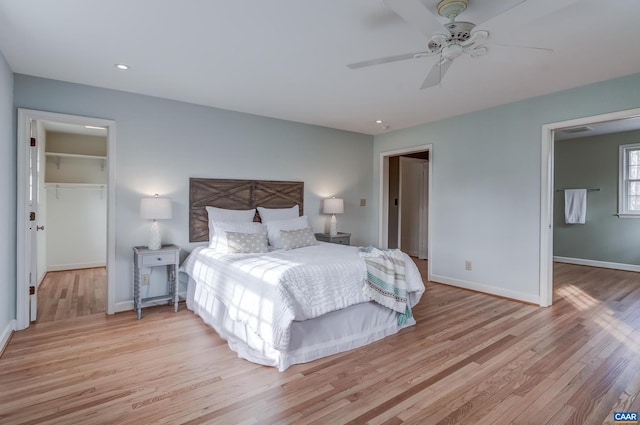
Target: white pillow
{"x": 292, "y": 239}
{"x": 219, "y": 241}
{"x": 223, "y": 215}
{"x": 276, "y": 214}
{"x": 274, "y": 227}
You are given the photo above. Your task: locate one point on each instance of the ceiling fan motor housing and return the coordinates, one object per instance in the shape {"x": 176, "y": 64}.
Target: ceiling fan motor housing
{"x": 459, "y": 32}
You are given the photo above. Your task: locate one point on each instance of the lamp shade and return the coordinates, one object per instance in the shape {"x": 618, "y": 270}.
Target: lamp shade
{"x": 333, "y": 206}
{"x": 156, "y": 208}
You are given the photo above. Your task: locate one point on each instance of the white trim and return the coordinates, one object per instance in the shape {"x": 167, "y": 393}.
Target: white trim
{"x": 22, "y": 263}
{"x": 628, "y": 215}
{"x": 623, "y": 177}
{"x": 123, "y": 306}
{"x": 62, "y": 267}
{"x": 546, "y": 194}
{"x": 6, "y": 334}
{"x": 487, "y": 289}
{"x": 596, "y": 263}
{"x": 383, "y": 195}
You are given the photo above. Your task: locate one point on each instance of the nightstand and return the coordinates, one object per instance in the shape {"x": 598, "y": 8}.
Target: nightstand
{"x": 143, "y": 257}
{"x": 340, "y": 238}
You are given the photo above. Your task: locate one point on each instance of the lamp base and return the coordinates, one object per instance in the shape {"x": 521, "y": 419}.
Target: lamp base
{"x": 154, "y": 237}
{"x": 333, "y": 226}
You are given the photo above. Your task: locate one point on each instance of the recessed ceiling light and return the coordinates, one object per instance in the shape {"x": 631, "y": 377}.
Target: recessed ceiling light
{"x": 93, "y": 127}
{"x": 378, "y": 121}
{"x": 122, "y": 66}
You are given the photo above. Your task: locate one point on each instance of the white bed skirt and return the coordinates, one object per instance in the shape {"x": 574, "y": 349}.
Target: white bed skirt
{"x": 323, "y": 336}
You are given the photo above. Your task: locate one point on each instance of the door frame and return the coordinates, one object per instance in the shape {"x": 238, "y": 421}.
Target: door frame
{"x": 23, "y": 262}
{"x": 547, "y": 192}
{"x": 383, "y": 196}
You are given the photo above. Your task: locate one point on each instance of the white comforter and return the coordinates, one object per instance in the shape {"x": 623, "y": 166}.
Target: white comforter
{"x": 267, "y": 292}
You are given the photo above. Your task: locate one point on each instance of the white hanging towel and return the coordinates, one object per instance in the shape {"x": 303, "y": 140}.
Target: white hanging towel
{"x": 575, "y": 206}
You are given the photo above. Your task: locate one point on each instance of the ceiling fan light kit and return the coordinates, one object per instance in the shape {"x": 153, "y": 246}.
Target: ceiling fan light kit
{"x": 458, "y": 38}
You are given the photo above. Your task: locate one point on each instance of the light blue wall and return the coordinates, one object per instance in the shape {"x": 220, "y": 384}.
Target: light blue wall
{"x": 161, "y": 143}
{"x": 8, "y": 196}
{"x": 592, "y": 162}
{"x": 486, "y": 184}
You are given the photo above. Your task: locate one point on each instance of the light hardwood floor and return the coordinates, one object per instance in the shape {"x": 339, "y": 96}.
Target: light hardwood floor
{"x": 471, "y": 359}
{"x": 72, "y": 293}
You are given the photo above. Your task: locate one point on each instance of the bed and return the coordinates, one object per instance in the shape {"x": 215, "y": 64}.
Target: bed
{"x": 290, "y": 302}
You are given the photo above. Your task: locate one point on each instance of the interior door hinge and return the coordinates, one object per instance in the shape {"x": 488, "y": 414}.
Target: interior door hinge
{"x": 32, "y": 216}
{"x": 32, "y": 290}
{"x": 33, "y": 141}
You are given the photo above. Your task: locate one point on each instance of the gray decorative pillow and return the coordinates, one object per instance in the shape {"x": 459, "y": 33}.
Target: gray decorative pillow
{"x": 298, "y": 238}
{"x": 246, "y": 243}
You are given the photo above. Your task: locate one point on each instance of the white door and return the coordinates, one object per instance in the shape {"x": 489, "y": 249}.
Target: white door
{"x": 423, "y": 229}
{"x": 412, "y": 212}
{"x": 33, "y": 201}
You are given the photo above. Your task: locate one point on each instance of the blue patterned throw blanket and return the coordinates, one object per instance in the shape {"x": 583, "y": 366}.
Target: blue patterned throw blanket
{"x": 385, "y": 282}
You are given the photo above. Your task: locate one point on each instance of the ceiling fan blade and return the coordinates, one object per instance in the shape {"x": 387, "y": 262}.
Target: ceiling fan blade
{"x": 518, "y": 46}
{"x": 389, "y": 59}
{"x": 436, "y": 74}
{"x": 480, "y": 12}
{"x": 416, "y": 14}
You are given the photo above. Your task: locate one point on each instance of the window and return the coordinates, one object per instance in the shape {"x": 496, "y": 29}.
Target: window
{"x": 629, "y": 186}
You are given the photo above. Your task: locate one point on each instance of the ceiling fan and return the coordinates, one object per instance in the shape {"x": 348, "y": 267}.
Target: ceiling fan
{"x": 457, "y": 39}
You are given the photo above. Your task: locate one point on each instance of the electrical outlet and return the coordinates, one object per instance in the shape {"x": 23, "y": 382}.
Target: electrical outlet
{"x": 145, "y": 279}
{"x": 363, "y": 202}
{"x": 468, "y": 265}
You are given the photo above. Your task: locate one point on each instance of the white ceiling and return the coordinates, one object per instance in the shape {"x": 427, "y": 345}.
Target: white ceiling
{"x": 287, "y": 58}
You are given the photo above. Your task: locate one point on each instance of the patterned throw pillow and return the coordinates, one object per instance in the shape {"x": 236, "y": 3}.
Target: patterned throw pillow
{"x": 219, "y": 241}
{"x": 275, "y": 227}
{"x": 298, "y": 238}
{"x": 246, "y": 243}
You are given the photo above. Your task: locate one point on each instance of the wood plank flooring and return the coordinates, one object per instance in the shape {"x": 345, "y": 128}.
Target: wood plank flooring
{"x": 72, "y": 293}
{"x": 471, "y": 359}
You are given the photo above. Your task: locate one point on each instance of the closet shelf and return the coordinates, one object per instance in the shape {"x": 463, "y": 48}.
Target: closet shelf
{"x": 59, "y": 155}
{"x": 100, "y": 187}
{"x": 74, "y": 155}
{"x": 51, "y": 185}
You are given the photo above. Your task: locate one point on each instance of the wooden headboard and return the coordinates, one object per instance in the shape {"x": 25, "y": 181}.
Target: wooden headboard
{"x": 237, "y": 195}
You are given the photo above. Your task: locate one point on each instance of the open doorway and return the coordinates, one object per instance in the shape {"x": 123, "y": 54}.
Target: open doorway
{"x": 405, "y": 186}
{"x": 72, "y": 216}
{"x": 550, "y": 194}
{"x": 66, "y": 210}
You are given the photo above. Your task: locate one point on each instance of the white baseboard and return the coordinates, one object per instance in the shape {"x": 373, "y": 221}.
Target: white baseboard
{"x": 487, "y": 289}
{"x": 40, "y": 279}
{"x": 124, "y": 306}
{"x": 61, "y": 267}
{"x": 6, "y": 333}
{"x": 595, "y": 263}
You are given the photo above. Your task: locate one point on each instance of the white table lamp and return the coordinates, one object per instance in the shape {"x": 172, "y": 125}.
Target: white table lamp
{"x": 333, "y": 206}
{"x": 155, "y": 209}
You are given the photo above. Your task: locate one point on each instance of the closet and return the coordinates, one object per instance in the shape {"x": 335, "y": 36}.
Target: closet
{"x": 75, "y": 179}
